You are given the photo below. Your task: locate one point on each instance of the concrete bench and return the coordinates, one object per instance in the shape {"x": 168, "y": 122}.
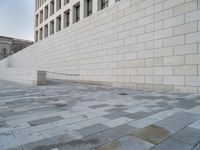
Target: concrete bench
{"x": 33, "y": 77}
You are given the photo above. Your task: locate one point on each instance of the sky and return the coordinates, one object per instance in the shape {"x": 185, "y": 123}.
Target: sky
{"x": 17, "y": 18}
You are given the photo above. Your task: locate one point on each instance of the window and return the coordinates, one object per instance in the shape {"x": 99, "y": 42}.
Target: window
{"x": 4, "y": 52}
{"x": 88, "y": 8}
{"x": 41, "y": 16}
{"x": 66, "y": 2}
{"x": 52, "y": 7}
{"x": 36, "y": 20}
{"x": 36, "y": 36}
{"x": 58, "y": 5}
{"x": 102, "y": 4}
{"x": 46, "y": 12}
{"x": 66, "y": 18}
{"x": 41, "y": 33}
{"x": 52, "y": 27}
{"x": 58, "y": 23}
{"x": 76, "y": 11}
{"x": 46, "y": 29}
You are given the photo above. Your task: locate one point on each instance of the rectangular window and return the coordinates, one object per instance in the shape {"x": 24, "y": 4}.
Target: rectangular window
{"x": 102, "y": 4}
{"x": 58, "y": 23}
{"x": 66, "y": 2}
{"x": 41, "y": 16}
{"x": 46, "y": 29}
{"x": 76, "y": 11}
{"x": 88, "y": 7}
{"x": 41, "y": 33}
{"x": 36, "y": 20}
{"x": 46, "y": 12}
{"x": 52, "y": 7}
{"x": 52, "y": 27}
{"x": 36, "y": 36}
{"x": 58, "y": 5}
{"x": 66, "y": 19}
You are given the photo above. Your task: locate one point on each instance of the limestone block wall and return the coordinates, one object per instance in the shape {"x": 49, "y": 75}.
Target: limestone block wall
{"x": 143, "y": 44}
{"x": 23, "y": 76}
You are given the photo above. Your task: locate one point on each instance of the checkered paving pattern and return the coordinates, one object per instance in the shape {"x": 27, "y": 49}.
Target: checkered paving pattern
{"x": 72, "y": 116}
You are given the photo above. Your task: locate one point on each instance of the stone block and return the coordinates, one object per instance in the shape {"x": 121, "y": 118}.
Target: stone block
{"x": 170, "y": 3}
{"x": 174, "y": 60}
{"x": 192, "y": 59}
{"x": 164, "y": 14}
{"x": 163, "y": 52}
{"x": 186, "y": 7}
{"x": 173, "y": 80}
{"x": 186, "y": 70}
{"x": 173, "y": 41}
{"x": 193, "y": 37}
{"x": 188, "y": 135}
{"x": 172, "y": 144}
{"x": 185, "y": 49}
{"x": 174, "y": 21}
{"x": 163, "y": 70}
{"x": 192, "y": 80}
{"x": 163, "y": 33}
{"x": 186, "y": 28}
{"x": 193, "y": 16}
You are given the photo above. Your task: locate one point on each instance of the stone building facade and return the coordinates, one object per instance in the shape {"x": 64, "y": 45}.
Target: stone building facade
{"x": 10, "y": 46}
{"x": 142, "y": 44}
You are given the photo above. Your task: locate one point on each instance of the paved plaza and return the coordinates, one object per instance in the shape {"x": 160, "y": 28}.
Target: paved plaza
{"x": 72, "y": 116}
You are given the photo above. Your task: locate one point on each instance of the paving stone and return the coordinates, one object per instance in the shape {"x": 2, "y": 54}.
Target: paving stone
{"x": 75, "y": 145}
{"x": 113, "y": 110}
{"x": 126, "y": 143}
{"x": 98, "y": 106}
{"x": 153, "y": 134}
{"x": 117, "y": 122}
{"x": 195, "y": 124}
{"x": 173, "y": 124}
{"x": 143, "y": 122}
{"x": 3, "y": 123}
{"x": 188, "y": 135}
{"x": 197, "y": 147}
{"x": 138, "y": 115}
{"x": 172, "y": 145}
{"x": 92, "y": 129}
{"x": 96, "y": 140}
{"x": 190, "y": 117}
{"x": 15, "y": 148}
{"x": 45, "y": 120}
{"x": 48, "y": 143}
{"x": 119, "y": 131}
{"x": 116, "y": 115}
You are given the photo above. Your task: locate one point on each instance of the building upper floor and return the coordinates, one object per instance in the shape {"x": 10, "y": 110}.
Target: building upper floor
{"x": 52, "y": 16}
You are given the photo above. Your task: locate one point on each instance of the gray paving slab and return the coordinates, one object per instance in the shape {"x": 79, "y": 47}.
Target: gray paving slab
{"x": 75, "y": 145}
{"x": 197, "y": 147}
{"x": 173, "y": 124}
{"x": 172, "y": 145}
{"x": 45, "y": 120}
{"x": 92, "y": 129}
{"x": 188, "y": 135}
{"x": 117, "y": 132}
{"x": 48, "y": 143}
{"x": 116, "y": 115}
{"x": 126, "y": 143}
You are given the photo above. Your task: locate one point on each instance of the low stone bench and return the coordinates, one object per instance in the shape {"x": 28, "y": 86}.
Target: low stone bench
{"x": 34, "y": 77}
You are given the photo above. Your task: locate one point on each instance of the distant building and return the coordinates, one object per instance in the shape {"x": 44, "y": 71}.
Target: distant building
{"x": 10, "y": 46}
